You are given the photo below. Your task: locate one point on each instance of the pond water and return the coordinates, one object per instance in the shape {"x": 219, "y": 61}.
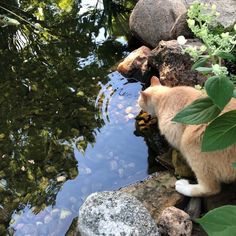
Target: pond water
{"x": 67, "y": 118}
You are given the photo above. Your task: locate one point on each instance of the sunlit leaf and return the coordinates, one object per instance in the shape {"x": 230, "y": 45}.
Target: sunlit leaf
{"x": 66, "y": 5}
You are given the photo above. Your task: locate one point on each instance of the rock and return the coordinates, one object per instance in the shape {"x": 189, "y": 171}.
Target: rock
{"x": 115, "y": 213}
{"x": 180, "y": 27}
{"x": 151, "y": 20}
{"x": 226, "y": 8}
{"x": 194, "y": 207}
{"x": 175, "y": 67}
{"x": 174, "y": 221}
{"x": 135, "y": 64}
{"x": 156, "y": 193}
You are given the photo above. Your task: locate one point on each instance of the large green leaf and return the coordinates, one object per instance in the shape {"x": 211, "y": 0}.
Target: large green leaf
{"x": 220, "y": 133}
{"x": 234, "y": 165}
{"x": 220, "y": 221}
{"x": 201, "y": 111}
{"x": 220, "y": 90}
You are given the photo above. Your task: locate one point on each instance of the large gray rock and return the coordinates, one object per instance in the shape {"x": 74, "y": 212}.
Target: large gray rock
{"x": 151, "y": 20}
{"x": 115, "y": 213}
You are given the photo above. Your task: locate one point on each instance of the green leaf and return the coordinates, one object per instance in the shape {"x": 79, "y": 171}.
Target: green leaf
{"x": 234, "y": 165}
{"x": 201, "y": 111}
{"x": 204, "y": 69}
{"x": 199, "y": 63}
{"x": 220, "y": 221}
{"x": 220, "y": 133}
{"x": 220, "y": 90}
{"x": 226, "y": 55}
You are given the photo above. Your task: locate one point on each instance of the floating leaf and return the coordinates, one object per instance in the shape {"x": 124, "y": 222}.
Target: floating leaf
{"x": 220, "y": 90}
{"x": 201, "y": 111}
{"x": 220, "y": 221}
{"x": 220, "y": 133}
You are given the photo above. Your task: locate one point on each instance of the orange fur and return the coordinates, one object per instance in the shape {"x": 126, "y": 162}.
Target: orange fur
{"x": 210, "y": 168}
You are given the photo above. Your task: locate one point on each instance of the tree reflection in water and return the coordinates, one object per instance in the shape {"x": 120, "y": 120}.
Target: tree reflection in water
{"x": 50, "y": 68}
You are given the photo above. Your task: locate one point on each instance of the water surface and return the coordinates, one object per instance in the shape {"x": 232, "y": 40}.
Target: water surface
{"x": 67, "y": 118}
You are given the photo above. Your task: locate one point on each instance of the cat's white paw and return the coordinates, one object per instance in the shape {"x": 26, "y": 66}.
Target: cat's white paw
{"x": 182, "y": 186}
{"x": 182, "y": 182}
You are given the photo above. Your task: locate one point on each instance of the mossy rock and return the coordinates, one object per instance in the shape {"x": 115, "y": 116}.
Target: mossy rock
{"x": 182, "y": 169}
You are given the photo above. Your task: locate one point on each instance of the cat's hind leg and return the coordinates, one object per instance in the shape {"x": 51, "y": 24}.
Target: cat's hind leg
{"x": 203, "y": 188}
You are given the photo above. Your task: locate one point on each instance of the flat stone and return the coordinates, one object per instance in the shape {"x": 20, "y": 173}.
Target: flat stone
{"x": 115, "y": 213}
{"x": 156, "y": 193}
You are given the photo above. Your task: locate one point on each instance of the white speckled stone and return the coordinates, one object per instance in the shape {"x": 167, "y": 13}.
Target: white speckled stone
{"x": 115, "y": 214}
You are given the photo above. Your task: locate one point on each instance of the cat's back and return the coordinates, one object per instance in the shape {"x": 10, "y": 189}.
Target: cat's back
{"x": 181, "y": 96}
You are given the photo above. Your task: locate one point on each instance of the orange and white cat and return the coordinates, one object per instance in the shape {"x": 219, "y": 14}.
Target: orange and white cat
{"x": 210, "y": 168}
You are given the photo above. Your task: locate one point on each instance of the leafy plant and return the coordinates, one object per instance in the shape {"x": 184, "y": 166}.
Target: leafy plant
{"x": 221, "y": 132}
{"x": 210, "y": 60}
{"x": 220, "y": 221}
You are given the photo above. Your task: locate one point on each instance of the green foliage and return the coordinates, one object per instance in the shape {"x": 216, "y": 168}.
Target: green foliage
{"x": 220, "y": 221}
{"x": 217, "y": 46}
{"x": 220, "y": 90}
{"x": 200, "y": 111}
{"x": 220, "y": 133}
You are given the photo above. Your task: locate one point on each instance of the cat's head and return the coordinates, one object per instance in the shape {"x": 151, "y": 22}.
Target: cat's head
{"x": 148, "y": 98}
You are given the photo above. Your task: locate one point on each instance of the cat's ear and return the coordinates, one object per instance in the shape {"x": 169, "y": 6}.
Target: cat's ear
{"x": 155, "y": 81}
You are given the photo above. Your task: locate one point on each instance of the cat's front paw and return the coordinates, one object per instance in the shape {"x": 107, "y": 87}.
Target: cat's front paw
{"x": 182, "y": 186}
{"x": 182, "y": 182}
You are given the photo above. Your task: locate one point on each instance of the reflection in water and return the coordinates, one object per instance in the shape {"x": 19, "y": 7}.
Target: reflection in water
{"x": 62, "y": 112}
